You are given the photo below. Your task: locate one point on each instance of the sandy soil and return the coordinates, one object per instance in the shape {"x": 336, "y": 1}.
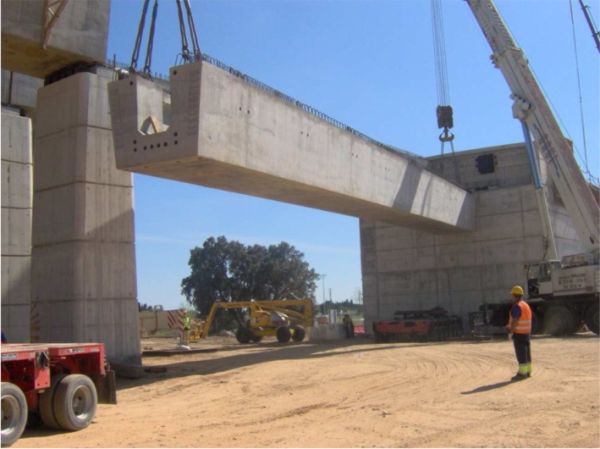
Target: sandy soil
{"x": 357, "y": 394}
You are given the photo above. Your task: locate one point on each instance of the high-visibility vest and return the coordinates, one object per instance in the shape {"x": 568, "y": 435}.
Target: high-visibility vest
{"x": 524, "y": 321}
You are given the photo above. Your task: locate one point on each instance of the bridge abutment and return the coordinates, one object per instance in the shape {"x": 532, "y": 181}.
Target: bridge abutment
{"x": 411, "y": 269}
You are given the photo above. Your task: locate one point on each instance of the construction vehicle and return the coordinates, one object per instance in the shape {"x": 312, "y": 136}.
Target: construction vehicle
{"x": 420, "y": 325}
{"x": 283, "y": 318}
{"x": 564, "y": 293}
{"x": 60, "y": 382}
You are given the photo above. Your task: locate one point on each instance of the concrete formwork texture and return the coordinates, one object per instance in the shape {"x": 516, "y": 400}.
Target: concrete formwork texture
{"x": 411, "y": 269}
{"x": 83, "y": 273}
{"x": 16, "y": 224}
{"x": 36, "y": 44}
{"x": 219, "y": 130}
{"x": 20, "y": 91}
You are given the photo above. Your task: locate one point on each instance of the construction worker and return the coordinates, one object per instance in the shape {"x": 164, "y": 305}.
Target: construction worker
{"x": 187, "y": 326}
{"x": 519, "y": 325}
{"x": 348, "y": 326}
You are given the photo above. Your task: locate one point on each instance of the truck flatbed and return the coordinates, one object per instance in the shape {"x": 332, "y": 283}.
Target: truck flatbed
{"x": 60, "y": 382}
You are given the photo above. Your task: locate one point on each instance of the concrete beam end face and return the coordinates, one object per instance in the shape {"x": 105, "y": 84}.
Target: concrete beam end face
{"x": 465, "y": 218}
{"x": 151, "y": 126}
{"x": 29, "y": 46}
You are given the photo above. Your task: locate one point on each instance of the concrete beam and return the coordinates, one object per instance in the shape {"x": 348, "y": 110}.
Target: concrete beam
{"x": 79, "y": 34}
{"x": 218, "y": 130}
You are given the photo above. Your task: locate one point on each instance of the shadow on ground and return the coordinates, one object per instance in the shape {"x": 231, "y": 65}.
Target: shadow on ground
{"x": 252, "y": 354}
{"x": 488, "y": 387}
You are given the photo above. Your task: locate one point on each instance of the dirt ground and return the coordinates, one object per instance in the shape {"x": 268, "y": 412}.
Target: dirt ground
{"x": 357, "y": 394}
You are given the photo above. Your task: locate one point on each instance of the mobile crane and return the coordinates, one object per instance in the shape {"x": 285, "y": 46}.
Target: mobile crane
{"x": 563, "y": 293}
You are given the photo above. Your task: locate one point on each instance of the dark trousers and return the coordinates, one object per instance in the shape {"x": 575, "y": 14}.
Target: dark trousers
{"x": 522, "y": 348}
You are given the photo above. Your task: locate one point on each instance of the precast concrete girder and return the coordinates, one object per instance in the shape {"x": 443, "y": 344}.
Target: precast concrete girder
{"x": 216, "y": 129}
{"x": 40, "y": 37}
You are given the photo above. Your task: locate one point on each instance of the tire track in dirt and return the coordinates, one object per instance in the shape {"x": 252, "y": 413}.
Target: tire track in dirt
{"x": 358, "y": 394}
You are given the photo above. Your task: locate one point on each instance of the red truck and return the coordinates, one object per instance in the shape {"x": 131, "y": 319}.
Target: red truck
{"x": 60, "y": 382}
{"x": 421, "y": 325}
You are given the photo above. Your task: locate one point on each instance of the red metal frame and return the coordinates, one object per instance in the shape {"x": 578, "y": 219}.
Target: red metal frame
{"x": 30, "y": 366}
{"x": 411, "y": 327}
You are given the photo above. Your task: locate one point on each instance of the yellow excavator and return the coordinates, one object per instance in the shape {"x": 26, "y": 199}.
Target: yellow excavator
{"x": 285, "y": 319}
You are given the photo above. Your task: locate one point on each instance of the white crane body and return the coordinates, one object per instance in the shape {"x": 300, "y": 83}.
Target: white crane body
{"x": 531, "y": 107}
{"x": 563, "y": 293}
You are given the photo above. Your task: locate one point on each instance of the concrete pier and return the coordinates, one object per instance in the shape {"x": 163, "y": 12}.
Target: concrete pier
{"x": 83, "y": 275}
{"x": 17, "y": 197}
{"x": 411, "y": 269}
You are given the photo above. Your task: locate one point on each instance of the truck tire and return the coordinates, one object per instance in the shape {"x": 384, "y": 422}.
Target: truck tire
{"x": 256, "y": 338}
{"x": 14, "y": 413}
{"x": 243, "y": 335}
{"x": 299, "y": 333}
{"x": 377, "y": 337}
{"x": 283, "y": 334}
{"x": 592, "y": 318}
{"x": 75, "y": 402}
{"x": 559, "y": 320}
{"x": 47, "y": 403}
{"x": 536, "y": 322}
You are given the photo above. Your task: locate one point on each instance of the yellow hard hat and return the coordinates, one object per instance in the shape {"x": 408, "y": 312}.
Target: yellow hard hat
{"x": 517, "y": 290}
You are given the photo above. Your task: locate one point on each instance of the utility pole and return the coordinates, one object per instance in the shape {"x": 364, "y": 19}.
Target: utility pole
{"x": 323, "y": 278}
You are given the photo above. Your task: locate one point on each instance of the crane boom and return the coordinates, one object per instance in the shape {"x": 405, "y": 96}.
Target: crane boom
{"x": 531, "y": 107}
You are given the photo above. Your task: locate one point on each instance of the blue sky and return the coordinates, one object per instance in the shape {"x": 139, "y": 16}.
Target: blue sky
{"x": 369, "y": 64}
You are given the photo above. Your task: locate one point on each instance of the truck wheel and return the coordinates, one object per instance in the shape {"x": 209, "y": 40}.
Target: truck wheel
{"x": 559, "y": 320}
{"x": 592, "y": 318}
{"x": 256, "y": 338}
{"x": 47, "y": 403}
{"x": 14, "y": 413}
{"x": 75, "y": 402}
{"x": 536, "y": 322}
{"x": 243, "y": 335}
{"x": 299, "y": 333}
{"x": 283, "y": 334}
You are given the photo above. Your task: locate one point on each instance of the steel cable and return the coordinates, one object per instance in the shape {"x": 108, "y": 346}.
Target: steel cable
{"x": 148, "y": 61}
{"x": 138, "y": 40}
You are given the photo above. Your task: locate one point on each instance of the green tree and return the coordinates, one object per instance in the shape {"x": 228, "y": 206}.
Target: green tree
{"x": 231, "y": 271}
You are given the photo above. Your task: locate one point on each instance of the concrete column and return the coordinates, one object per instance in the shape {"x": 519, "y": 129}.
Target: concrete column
{"x": 83, "y": 274}
{"x": 16, "y": 225}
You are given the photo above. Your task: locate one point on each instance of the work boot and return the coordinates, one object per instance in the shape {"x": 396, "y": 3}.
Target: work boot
{"x": 519, "y": 376}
